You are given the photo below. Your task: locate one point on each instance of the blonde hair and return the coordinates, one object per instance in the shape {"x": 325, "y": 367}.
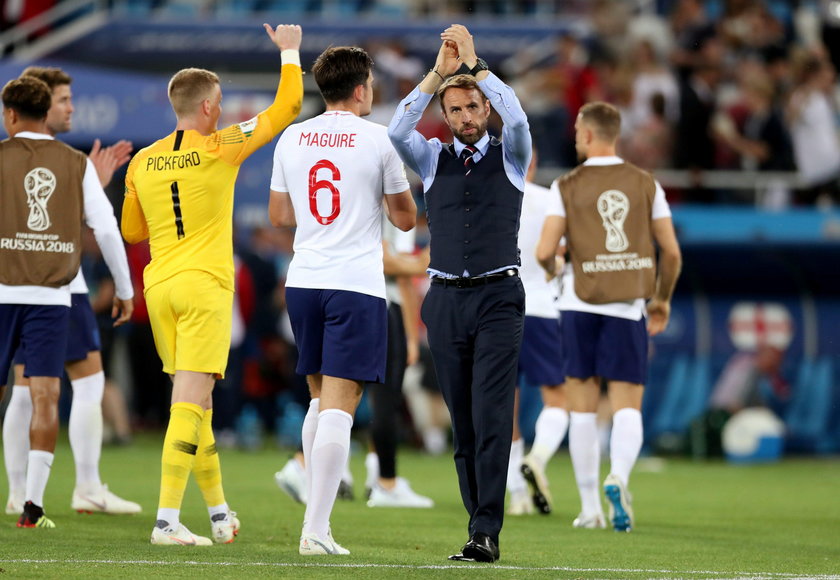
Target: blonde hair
{"x": 189, "y": 87}
{"x": 603, "y": 118}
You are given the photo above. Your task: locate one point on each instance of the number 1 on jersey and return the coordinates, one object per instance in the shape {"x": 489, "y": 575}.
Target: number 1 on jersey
{"x": 176, "y": 206}
{"x": 315, "y": 185}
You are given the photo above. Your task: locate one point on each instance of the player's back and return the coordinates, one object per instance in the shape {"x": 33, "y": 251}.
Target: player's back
{"x": 185, "y": 187}
{"x": 333, "y": 167}
{"x": 539, "y": 300}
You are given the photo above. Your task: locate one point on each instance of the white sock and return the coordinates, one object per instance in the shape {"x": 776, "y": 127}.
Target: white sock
{"x": 586, "y": 458}
{"x": 551, "y": 429}
{"x": 371, "y": 469}
{"x": 85, "y": 428}
{"x": 37, "y": 475}
{"x": 16, "y": 438}
{"x": 625, "y": 442}
{"x": 171, "y": 516}
{"x": 329, "y": 456}
{"x": 515, "y": 481}
{"x": 307, "y": 436}
{"x": 218, "y": 509}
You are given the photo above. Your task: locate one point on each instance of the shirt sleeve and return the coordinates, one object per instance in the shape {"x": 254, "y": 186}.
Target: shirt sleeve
{"x": 237, "y": 142}
{"x": 555, "y": 201}
{"x": 516, "y": 134}
{"x": 133, "y": 222}
{"x": 99, "y": 216}
{"x": 278, "y": 177}
{"x": 394, "y": 179}
{"x": 660, "y": 208}
{"x": 415, "y": 150}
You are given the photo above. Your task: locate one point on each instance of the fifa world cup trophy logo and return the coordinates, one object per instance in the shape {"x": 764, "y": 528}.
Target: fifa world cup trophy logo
{"x": 39, "y": 185}
{"x": 613, "y": 206}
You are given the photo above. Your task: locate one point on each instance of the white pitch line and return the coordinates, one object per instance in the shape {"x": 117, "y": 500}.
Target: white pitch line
{"x": 712, "y": 573}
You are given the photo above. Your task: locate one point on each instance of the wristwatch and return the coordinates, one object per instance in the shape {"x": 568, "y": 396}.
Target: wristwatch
{"x": 480, "y": 65}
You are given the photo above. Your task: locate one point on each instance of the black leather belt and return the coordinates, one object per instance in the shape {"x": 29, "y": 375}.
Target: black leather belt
{"x": 474, "y": 281}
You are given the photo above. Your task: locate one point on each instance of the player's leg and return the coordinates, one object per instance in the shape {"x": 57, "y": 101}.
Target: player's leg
{"x": 307, "y": 320}
{"x": 386, "y": 489}
{"x": 203, "y": 344}
{"x": 542, "y": 365}
{"x": 580, "y": 332}
{"x": 87, "y": 379}
{"x": 16, "y": 437}
{"x": 190, "y": 391}
{"x": 43, "y": 336}
{"x": 626, "y": 371}
{"x": 520, "y": 501}
{"x": 353, "y": 352}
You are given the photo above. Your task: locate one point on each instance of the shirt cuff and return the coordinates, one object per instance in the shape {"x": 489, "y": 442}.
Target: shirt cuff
{"x": 290, "y": 56}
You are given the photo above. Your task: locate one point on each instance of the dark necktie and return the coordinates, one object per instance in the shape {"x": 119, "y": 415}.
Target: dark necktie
{"x": 467, "y": 157}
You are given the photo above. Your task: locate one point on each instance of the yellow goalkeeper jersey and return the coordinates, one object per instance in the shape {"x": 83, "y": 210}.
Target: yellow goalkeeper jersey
{"x": 179, "y": 190}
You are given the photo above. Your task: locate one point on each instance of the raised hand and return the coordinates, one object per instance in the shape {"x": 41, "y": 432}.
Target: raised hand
{"x": 462, "y": 38}
{"x": 285, "y": 36}
{"x": 447, "y": 62}
{"x": 108, "y": 159}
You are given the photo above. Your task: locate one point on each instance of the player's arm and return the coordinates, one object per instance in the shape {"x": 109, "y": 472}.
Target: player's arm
{"x": 99, "y": 216}
{"x": 133, "y": 223}
{"x": 416, "y": 152}
{"x": 240, "y": 141}
{"x": 668, "y": 271}
{"x": 553, "y": 229}
{"x": 280, "y": 210}
{"x": 401, "y": 210}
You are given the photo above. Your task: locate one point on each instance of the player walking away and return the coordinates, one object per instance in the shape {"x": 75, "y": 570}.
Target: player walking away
{"x": 612, "y": 213}
{"x": 83, "y": 358}
{"x": 330, "y": 176}
{"x": 179, "y": 194}
{"x": 39, "y": 256}
{"x": 540, "y": 363}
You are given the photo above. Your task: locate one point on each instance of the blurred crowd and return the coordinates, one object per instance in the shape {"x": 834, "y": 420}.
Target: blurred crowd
{"x": 733, "y": 85}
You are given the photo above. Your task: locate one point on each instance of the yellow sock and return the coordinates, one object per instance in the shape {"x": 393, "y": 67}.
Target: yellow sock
{"x": 207, "y": 469}
{"x": 179, "y": 449}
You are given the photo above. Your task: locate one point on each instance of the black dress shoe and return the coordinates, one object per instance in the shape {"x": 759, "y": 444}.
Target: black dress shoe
{"x": 459, "y": 557}
{"x": 481, "y": 548}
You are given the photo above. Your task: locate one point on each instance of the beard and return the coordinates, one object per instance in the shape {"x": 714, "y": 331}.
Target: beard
{"x": 472, "y": 138}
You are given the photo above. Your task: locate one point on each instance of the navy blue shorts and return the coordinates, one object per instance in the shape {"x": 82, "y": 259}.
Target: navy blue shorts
{"x": 83, "y": 332}
{"x": 540, "y": 359}
{"x": 40, "y": 332}
{"x": 594, "y": 345}
{"x": 339, "y": 333}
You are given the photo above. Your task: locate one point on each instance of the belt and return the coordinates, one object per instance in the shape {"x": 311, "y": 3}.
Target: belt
{"x": 472, "y": 282}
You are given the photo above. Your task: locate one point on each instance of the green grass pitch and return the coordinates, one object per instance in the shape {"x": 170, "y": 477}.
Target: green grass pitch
{"x": 693, "y": 520}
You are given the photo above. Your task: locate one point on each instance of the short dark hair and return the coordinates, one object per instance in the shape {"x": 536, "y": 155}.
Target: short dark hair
{"x": 31, "y": 98}
{"x": 339, "y": 70}
{"x": 604, "y": 119}
{"x": 466, "y": 82}
{"x": 53, "y": 76}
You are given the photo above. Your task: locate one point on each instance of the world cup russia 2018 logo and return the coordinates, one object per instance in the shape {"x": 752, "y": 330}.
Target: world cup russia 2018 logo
{"x": 39, "y": 185}
{"x": 613, "y": 206}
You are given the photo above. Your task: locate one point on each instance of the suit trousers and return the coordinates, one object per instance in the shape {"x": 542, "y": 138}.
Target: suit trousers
{"x": 475, "y": 335}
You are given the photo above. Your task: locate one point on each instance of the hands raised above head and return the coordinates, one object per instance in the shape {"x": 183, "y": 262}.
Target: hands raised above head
{"x": 285, "y": 36}
{"x": 458, "y": 35}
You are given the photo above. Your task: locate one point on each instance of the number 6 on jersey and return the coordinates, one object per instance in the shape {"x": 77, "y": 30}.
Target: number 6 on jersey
{"x": 315, "y": 185}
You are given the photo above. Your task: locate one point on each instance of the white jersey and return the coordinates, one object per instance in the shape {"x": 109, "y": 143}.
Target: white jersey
{"x": 539, "y": 296}
{"x": 399, "y": 242}
{"x": 336, "y": 168}
{"x": 632, "y": 309}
